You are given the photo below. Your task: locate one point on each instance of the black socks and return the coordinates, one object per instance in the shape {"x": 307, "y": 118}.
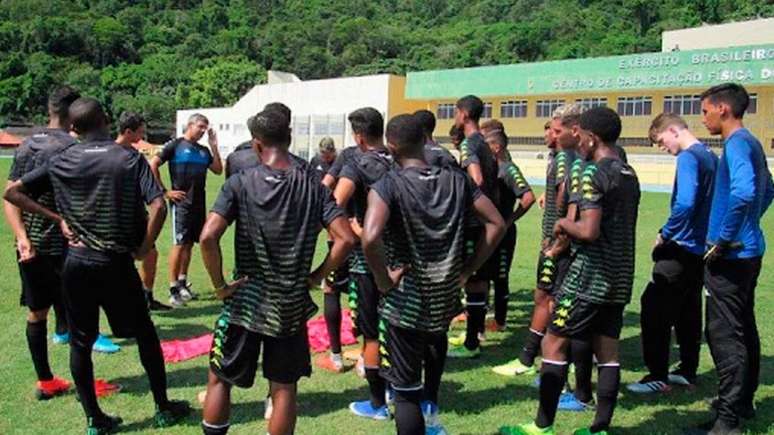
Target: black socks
{"x": 332, "y": 310}
{"x": 607, "y": 395}
{"x": 531, "y": 347}
{"x": 376, "y": 387}
{"x": 408, "y": 414}
{"x": 581, "y": 356}
{"x": 38, "y": 345}
{"x": 476, "y": 307}
{"x": 553, "y": 375}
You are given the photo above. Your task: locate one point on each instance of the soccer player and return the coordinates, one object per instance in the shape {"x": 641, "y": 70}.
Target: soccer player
{"x": 40, "y": 245}
{"x": 435, "y": 155}
{"x": 281, "y": 209}
{"x": 131, "y": 129}
{"x": 598, "y": 284}
{"x": 673, "y": 296}
{"x": 416, "y": 222}
{"x": 477, "y": 160}
{"x": 325, "y": 156}
{"x": 512, "y": 187}
{"x": 549, "y": 269}
{"x": 101, "y": 189}
{"x": 743, "y": 192}
{"x": 339, "y": 282}
{"x": 355, "y": 181}
{"x": 243, "y": 157}
{"x": 188, "y": 165}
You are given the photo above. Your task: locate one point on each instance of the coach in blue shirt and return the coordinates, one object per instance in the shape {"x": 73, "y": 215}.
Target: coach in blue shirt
{"x": 743, "y": 192}
{"x": 672, "y": 298}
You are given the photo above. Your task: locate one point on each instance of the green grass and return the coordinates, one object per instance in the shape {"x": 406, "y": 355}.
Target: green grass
{"x": 474, "y": 400}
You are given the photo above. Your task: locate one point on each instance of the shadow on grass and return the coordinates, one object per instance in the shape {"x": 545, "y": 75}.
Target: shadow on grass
{"x": 210, "y": 308}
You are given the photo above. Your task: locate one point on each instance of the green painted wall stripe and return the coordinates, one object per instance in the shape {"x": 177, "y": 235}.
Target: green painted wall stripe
{"x": 681, "y": 69}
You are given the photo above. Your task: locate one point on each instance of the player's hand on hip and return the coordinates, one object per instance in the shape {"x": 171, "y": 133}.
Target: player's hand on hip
{"x": 175, "y": 195}
{"x": 229, "y": 288}
{"x": 26, "y": 250}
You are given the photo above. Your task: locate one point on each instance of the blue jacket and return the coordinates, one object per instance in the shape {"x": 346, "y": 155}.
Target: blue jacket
{"x": 743, "y": 192}
{"x": 691, "y": 198}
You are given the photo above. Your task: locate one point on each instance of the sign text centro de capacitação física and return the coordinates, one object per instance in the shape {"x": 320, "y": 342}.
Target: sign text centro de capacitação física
{"x": 690, "y": 69}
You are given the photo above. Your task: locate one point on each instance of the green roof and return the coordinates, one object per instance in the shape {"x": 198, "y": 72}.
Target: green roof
{"x": 678, "y": 69}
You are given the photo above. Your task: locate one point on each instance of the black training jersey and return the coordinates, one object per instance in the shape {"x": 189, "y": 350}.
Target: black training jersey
{"x": 321, "y": 166}
{"x": 241, "y": 158}
{"x": 188, "y": 165}
{"x": 364, "y": 170}
{"x": 428, "y": 209}
{"x": 602, "y": 271}
{"x": 101, "y": 189}
{"x": 345, "y": 156}
{"x": 565, "y": 160}
{"x": 474, "y": 149}
{"x": 281, "y": 213}
{"x": 549, "y": 206}
{"x": 511, "y": 185}
{"x": 436, "y": 155}
{"x": 34, "y": 152}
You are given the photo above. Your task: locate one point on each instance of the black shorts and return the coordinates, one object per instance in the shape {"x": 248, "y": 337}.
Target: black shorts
{"x": 551, "y": 272}
{"x": 41, "y": 280}
{"x": 404, "y": 352}
{"x": 487, "y": 271}
{"x": 504, "y": 253}
{"x": 91, "y": 280}
{"x": 338, "y": 280}
{"x": 235, "y": 351}
{"x": 367, "y": 295}
{"x": 576, "y": 318}
{"x": 187, "y": 223}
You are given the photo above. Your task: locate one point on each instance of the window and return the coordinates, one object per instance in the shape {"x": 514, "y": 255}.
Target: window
{"x": 592, "y": 102}
{"x": 634, "y": 106}
{"x": 545, "y": 108}
{"x": 301, "y": 125}
{"x": 752, "y": 108}
{"x": 445, "y": 111}
{"x": 487, "y": 113}
{"x": 682, "y": 104}
{"x": 513, "y": 109}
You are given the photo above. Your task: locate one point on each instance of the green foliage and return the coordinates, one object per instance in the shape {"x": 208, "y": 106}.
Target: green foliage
{"x": 158, "y": 56}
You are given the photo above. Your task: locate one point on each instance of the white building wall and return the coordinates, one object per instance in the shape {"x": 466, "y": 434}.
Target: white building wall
{"x": 752, "y": 32}
{"x": 319, "y": 108}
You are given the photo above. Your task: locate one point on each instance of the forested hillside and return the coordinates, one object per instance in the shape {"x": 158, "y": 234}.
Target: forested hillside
{"x": 155, "y": 56}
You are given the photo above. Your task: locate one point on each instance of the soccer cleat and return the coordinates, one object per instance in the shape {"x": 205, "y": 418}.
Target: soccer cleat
{"x": 435, "y": 430}
{"x": 155, "y": 305}
{"x": 568, "y": 402}
{"x": 678, "y": 377}
{"x": 176, "y": 301}
{"x": 104, "y": 345}
{"x": 463, "y": 352}
{"x": 103, "y": 388}
{"x": 331, "y": 363}
{"x": 352, "y": 354}
{"x": 527, "y": 429}
{"x": 459, "y": 340}
{"x": 364, "y": 409}
{"x": 430, "y": 413}
{"x": 514, "y": 368}
{"x": 648, "y": 385}
{"x": 587, "y": 431}
{"x": 172, "y": 413}
{"x": 104, "y": 424}
{"x": 61, "y": 338}
{"x": 268, "y": 408}
{"x": 187, "y": 294}
{"x": 53, "y": 387}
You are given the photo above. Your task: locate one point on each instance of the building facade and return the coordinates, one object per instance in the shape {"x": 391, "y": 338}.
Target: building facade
{"x": 639, "y": 87}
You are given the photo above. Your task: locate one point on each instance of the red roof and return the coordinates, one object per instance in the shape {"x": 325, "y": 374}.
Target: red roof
{"x": 9, "y": 140}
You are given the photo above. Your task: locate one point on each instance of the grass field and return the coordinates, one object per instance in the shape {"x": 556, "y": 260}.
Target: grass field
{"x": 473, "y": 399}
